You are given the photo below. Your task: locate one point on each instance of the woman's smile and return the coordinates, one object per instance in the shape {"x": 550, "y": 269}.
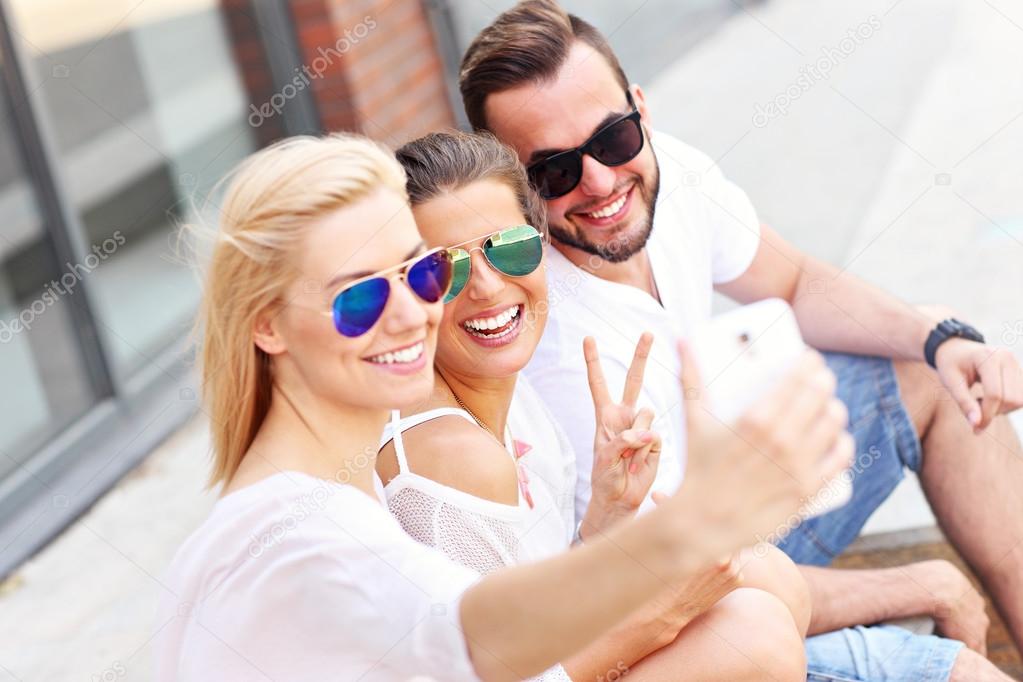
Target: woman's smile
{"x": 495, "y": 326}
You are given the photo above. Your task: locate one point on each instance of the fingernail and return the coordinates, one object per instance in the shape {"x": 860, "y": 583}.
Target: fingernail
{"x": 646, "y": 437}
{"x": 975, "y": 417}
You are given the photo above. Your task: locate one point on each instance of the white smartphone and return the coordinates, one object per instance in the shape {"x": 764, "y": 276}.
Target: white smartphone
{"x": 742, "y": 355}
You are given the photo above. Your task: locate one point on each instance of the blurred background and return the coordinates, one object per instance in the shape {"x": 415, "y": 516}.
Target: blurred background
{"x": 883, "y": 136}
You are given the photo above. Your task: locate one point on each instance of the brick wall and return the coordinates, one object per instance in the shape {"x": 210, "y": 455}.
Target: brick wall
{"x": 376, "y": 65}
{"x": 247, "y": 45}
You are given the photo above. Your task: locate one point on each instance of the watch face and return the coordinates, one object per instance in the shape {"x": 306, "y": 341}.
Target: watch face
{"x": 963, "y": 330}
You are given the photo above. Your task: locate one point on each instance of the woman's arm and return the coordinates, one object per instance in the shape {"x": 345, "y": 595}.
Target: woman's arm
{"x": 742, "y": 479}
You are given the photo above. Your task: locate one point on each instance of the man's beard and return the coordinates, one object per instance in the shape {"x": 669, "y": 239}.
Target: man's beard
{"x": 620, "y": 247}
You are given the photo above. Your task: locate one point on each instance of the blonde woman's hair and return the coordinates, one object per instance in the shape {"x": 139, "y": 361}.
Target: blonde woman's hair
{"x": 272, "y": 198}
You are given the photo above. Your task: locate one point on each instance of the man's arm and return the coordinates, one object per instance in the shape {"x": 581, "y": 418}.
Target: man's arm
{"x": 846, "y": 598}
{"x": 838, "y": 311}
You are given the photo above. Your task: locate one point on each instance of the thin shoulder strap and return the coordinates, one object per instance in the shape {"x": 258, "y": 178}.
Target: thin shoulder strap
{"x": 398, "y": 425}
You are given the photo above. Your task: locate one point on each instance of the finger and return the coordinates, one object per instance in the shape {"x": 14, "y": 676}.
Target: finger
{"x": 631, "y": 439}
{"x": 634, "y": 378}
{"x": 692, "y": 384}
{"x": 773, "y": 409}
{"x": 644, "y": 419}
{"x": 595, "y": 375}
{"x": 833, "y": 464}
{"x": 809, "y": 406}
{"x": 647, "y": 456}
{"x": 959, "y": 389}
{"x": 990, "y": 372}
{"x": 1013, "y": 378}
{"x": 829, "y": 425}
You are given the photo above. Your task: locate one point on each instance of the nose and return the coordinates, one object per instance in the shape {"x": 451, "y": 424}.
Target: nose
{"x": 405, "y": 312}
{"x": 598, "y": 180}
{"x": 485, "y": 283}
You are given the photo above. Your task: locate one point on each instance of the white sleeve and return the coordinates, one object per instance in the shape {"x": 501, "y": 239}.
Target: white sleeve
{"x": 396, "y": 597}
{"x": 736, "y": 236}
{"x": 727, "y": 213}
{"x": 361, "y": 598}
{"x": 566, "y": 393}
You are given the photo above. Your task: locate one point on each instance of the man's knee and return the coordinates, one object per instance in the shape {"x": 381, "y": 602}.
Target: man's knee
{"x": 922, "y": 393}
{"x": 972, "y": 667}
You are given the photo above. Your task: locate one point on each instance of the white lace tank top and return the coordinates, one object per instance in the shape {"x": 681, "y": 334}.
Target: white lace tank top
{"x": 482, "y": 534}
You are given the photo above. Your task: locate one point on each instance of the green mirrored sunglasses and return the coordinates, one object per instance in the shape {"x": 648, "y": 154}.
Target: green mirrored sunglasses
{"x": 514, "y": 251}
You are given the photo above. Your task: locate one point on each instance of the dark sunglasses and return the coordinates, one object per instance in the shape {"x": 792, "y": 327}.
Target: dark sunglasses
{"x": 515, "y": 251}
{"x": 359, "y": 305}
{"x": 616, "y": 143}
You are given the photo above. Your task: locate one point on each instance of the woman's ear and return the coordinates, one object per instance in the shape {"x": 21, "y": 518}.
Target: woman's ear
{"x": 265, "y": 333}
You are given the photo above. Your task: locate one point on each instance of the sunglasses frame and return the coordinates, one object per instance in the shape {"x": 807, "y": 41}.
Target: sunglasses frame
{"x": 483, "y": 240}
{"x": 386, "y": 274}
{"x": 578, "y": 152}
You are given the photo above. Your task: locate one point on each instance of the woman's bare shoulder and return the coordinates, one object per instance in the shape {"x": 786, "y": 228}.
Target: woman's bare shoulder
{"x": 457, "y": 453}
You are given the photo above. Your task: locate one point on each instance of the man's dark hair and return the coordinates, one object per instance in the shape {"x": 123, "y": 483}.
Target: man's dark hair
{"x": 526, "y": 44}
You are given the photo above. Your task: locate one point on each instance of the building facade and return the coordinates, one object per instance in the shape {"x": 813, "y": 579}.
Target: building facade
{"x": 117, "y": 119}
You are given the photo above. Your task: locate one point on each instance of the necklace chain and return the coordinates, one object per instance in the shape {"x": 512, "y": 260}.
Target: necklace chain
{"x": 473, "y": 415}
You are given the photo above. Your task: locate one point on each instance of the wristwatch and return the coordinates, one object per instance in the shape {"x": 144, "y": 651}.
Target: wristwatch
{"x": 948, "y": 329}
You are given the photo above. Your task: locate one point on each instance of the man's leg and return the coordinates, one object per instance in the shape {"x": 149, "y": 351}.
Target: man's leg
{"x": 886, "y": 653}
{"x": 974, "y": 484}
{"x": 972, "y": 667}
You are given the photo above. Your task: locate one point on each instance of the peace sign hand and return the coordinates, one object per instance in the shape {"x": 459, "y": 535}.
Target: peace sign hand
{"x": 625, "y": 450}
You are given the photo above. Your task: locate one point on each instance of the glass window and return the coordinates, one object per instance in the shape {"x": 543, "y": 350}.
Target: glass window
{"x": 148, "y": 111}
{"x": 45, "y": 384}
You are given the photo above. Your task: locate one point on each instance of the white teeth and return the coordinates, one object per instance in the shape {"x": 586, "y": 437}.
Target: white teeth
{"x": 610, "y": 210}
{"x": 405, "y": 355}
{"x": 496, "y": 322}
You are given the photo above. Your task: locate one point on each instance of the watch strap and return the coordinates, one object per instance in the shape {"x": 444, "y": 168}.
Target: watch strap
{"x": 948, "y": 329}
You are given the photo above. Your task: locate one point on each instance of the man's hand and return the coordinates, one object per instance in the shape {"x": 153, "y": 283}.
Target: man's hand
{"x": 625, "y": 451}
{"x": 957, "y": 608}
{"x": 996, "y": 372}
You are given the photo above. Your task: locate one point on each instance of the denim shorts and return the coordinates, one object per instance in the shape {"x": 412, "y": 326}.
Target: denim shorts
{"x": 886, "y": 445}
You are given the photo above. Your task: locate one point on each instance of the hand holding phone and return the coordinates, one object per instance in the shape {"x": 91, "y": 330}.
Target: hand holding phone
{"x": 743, "y": 355}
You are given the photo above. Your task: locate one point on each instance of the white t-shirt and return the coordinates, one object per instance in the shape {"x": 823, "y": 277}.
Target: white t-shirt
{"x": 297, "y": 578}
{"x": 705, "y": 233}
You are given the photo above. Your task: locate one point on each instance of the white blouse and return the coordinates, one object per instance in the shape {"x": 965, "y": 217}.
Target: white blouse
{"x": 298, "y": 578}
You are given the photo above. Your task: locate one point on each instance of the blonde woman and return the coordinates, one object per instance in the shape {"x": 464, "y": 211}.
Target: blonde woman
{"x": 320, "y": 315}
